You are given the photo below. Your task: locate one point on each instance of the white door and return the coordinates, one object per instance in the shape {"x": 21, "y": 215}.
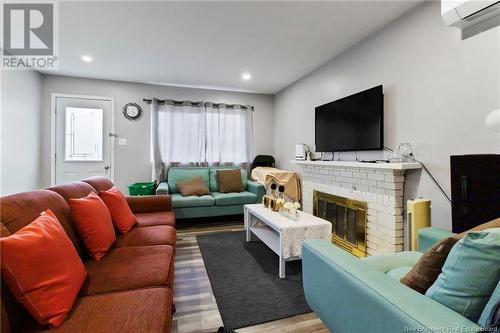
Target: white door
{"x": 83, "y": 138}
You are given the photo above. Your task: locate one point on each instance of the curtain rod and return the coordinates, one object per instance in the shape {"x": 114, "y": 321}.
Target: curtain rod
{"x": 162, "y": 101}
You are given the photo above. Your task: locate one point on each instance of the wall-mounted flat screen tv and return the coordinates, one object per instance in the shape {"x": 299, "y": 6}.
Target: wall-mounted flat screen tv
{"x": 351, "y": 123}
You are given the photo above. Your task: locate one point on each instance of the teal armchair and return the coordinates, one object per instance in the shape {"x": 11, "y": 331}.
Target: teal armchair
{"x": 353, "y": 295}
{"x": 213, "y": 204}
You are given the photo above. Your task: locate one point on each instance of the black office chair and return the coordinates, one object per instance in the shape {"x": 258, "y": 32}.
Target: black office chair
{"x": 263, "y": 161}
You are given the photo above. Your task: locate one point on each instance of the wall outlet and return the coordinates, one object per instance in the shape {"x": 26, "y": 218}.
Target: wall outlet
{"x": 122, "y": 141}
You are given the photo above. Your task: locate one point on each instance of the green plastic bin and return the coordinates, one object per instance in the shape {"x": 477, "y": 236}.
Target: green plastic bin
{"x": 142, "y": 188}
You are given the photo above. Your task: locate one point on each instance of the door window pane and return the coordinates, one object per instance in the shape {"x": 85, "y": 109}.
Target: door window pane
{"x": 83, "y": 136}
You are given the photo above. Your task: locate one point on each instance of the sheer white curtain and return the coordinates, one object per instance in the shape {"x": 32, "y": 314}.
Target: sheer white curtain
{"x": 199, "y": 134}
{"x": 178, "y": 136}
{"x": 229, "y": 134}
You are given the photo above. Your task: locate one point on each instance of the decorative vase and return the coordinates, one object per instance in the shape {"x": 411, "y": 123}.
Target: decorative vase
{"x": 275, "y": 205}
{"x": 266, "y": 200}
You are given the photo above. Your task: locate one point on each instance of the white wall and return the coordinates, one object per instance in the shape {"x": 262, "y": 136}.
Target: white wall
{"x": 20, "y": 131}
{"x": 438, "y": 90}
{"x": 132, "y": 162}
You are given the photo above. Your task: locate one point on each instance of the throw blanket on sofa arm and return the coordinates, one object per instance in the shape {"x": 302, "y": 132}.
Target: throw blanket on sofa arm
{"x": 289, "y": 179}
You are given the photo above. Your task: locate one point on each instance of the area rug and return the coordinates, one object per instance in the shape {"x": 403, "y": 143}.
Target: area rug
{"x": 245, "y": 282}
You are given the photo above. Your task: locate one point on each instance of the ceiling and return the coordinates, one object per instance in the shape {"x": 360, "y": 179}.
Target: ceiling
{"x": 211, "y": 44}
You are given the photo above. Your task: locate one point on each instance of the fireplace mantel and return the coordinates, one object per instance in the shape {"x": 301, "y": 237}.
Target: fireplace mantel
{"x": 380, "y": 185}
{"x": 361, "y": 165}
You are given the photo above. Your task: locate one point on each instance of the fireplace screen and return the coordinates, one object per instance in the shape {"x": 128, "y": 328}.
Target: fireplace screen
{"x": 348, "y": 217}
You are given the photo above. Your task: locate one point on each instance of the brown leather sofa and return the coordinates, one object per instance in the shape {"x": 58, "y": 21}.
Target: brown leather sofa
{"x": 129, "y": 290}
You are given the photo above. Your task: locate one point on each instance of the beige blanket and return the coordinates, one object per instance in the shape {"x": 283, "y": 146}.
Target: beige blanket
{"x": 289, "y": 179}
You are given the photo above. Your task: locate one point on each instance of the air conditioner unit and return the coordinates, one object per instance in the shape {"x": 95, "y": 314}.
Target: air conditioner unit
{"x": 472, "y": 16}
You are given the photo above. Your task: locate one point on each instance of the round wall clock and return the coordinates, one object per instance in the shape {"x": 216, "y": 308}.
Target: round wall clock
{"x": 132, "y": 111}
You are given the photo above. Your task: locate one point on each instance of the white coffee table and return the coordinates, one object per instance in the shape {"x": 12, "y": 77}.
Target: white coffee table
{"x": 284, "y": 235}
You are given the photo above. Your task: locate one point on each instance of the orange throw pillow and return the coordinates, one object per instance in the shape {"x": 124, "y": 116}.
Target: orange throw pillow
{"x": 122, "y": 216}
{"x": 42, "y": 269}
{"x": 94, "y": 224}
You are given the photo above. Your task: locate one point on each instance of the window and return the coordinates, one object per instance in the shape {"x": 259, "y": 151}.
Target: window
{"x": 229, "y": 136}
{"x": 83, "y": 134}
{"x": 200, "y": 134}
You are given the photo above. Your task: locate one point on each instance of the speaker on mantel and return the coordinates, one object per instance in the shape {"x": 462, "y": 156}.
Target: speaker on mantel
{"x": 300, "y": 152}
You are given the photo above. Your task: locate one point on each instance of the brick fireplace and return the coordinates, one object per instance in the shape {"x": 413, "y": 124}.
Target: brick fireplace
{"x": 379, "y": 186}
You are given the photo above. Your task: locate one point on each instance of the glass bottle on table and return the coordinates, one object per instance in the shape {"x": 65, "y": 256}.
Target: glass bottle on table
{"x": 281, "y": 192}
{"x": 273, "y": 190}
{"x": 281, "y": 198}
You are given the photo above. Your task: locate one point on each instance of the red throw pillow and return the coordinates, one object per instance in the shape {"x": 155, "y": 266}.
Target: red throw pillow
{"x": 122, "y": 216}
{"x": 94, "y": 224}
{"x": 42, "y": 269}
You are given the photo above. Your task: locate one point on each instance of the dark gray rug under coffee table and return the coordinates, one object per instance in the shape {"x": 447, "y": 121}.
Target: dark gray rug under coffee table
{"x": 244, "y": 278}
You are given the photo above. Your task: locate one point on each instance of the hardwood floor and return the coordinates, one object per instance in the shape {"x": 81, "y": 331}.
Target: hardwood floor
{"x": 197, "y": 310}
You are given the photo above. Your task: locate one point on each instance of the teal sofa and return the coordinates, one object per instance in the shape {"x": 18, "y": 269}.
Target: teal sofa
{"x": 353, "y": 295}
{"x": 214, "y": 204}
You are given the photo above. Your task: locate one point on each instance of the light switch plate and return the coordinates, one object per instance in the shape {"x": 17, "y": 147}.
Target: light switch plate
{"x": 122, "y": 141}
